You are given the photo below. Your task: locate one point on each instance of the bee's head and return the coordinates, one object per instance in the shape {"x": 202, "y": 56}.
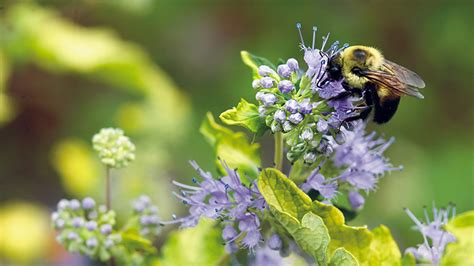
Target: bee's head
{"x": 356, "y": 58}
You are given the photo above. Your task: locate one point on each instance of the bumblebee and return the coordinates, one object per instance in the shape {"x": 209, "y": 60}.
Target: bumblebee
{"x": 377, "y": 80}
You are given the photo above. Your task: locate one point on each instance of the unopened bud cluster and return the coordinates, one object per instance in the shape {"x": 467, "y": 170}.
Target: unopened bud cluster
{"x": 86, "y": 228}
{"x": 148, "y": 219}
{"x": 114, "y": 148}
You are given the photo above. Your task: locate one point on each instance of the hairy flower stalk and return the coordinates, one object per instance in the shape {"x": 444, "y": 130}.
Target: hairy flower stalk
{"x": 227, "y": 199}
{"x": 435, "y": 237}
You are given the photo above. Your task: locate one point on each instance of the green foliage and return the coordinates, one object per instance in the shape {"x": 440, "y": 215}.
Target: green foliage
{"x": 342, "y": 257}
{"x": 301, "y": 218}
{"x": 408, "y": 260}
{"x": 246, "y": 115}
{"x": 254, "y": 62}
{"x": 200, "y": 245}
{"x": 233, "y": 148}
{"x": 460, "y": 252}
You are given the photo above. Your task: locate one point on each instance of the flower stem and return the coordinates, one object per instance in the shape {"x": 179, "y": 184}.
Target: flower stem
{"x": 278, "y": 156}
{"x": 108, "y": 202}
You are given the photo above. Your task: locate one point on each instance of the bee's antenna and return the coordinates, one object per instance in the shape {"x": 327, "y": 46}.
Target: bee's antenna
{"x": 325, "y": 39}
{"x": 298, "y": 26}
{"x": 342, "y": 48}
{"x": 315, "y": 29}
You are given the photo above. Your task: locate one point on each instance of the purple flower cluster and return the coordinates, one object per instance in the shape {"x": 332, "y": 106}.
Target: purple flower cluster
{"x": 360, "y": 155}
{"x": 147, "y": 216}
{"x": 85, "y": 227}
{"x": 226, "y": 199}
{"x": 435, "y": 238}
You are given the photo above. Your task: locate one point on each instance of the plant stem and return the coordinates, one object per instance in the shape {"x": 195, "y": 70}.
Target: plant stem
{"x": 108, "y": 202}
{"x": 278, "y": 156}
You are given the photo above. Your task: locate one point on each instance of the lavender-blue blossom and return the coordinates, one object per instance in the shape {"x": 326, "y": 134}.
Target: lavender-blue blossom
{"x": 226, "y": 199}
{"x": 356, "y": 200}
{"x": 280, "y": 116}
{"x": 88, "y": 203}
{"x": 267, "y": 82}
{"x": 435, "y": 237}
{"x": 269, "y": 99}
{"x": 292, "y": 106}
{"x": 265, "y": 71}
{"x": 292, "y": 64}
{"x": 284, "y": 71}
{"x": 286, "y": 86}
{"x": 296, "y": 118}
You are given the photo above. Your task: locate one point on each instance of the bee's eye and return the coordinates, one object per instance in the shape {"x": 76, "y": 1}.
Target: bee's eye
{"x": 356, "y": 71}
{"x": 360, "y": 55}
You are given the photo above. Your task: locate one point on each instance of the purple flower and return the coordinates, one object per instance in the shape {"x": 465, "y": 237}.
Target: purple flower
{"x": 286, "y": 86}
{"x": 267, "y": 82}
{"x": 274, "y": 242}
{"x": 296, "y": 118}
{"x": 92, "y": 242}
{"x": 284, "y": 71}
{"x": 307, "y": 134}
{"x": 74, "y": 204}
{"x": 287, "y": 126}
{"x": 362, "y": 155}
{"x": 292, "y": 106}
{"x": 63, "y": 204}
{"x": 269, "y": 99}
{"x": 88, "y": 203}
{"x": 73, "y": 236}
{"x": 91, "y": 225}
{"x": 266, "y": 256}
{"x": 435, "y": 238}
{"x": 77, "y": 222}
{"x": 106, "y": 229}
{"x": 292, "y": 64}
{"x": 226, "y": 199}
{"x": 256, "y": 84}
{"x": 326, "y": 187}
{"x": 306, "y": 107}
{"x": 265, "y": 71}
{"x": 356, "y": 200}
{"x": 279, "y": 116}
{"x": 309, "y": 157}
{"x": 322, "y": 125}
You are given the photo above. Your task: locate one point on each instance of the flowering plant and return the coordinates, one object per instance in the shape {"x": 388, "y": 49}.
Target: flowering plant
{"x": 293, "y": 212}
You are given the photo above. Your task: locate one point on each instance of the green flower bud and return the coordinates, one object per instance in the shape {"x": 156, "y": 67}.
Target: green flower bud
{"x": 115, "y": 150}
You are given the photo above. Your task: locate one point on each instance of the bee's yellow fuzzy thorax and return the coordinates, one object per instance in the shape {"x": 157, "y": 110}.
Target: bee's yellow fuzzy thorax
{"x": 363, "y": 57}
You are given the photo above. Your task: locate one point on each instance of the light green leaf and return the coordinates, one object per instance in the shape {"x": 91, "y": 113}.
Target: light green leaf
{"x": 200, "y": 245}
{"x": 460, "y": 252}
{"x": 384, "y": 250}
{"x": 408, "y": 260}
{"x": 212, "y": 131}
{"x": 356, "y": 240}
{"x": 133, "y": 241}
{"x": 281, "y": 193}
{"x": 246, "y": 115}
{"x": 288, "y": 206}
{"x": 232, "y": 148}
{"x": 342, "y": 257}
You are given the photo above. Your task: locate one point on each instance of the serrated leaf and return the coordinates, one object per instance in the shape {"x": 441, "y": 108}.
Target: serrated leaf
{"x": 283, "y": 194}
{"x": 200, "y": 245}
{"x": 384, "y": 249}
{"x": 460, "y": 252}
{"x": 356, "y": 240}
{"x": 246, "y": 115}
{"x": 233, "y": 148}
{"x": 342, "y": 257}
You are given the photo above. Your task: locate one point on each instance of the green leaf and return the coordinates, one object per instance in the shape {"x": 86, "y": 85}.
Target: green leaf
{"x": 384, "y": 249}
{"x": 200, "y": 245}
{"x": 212, "y": 131}
{"x": 281, "y": 193}
{"x": 460, "y": 252}
{"x": 232, "y": 148}
{"x": 254, "y": 61}
{"x": 133, "y": 241}
{"x": 408, "y": 260}
{"x": 342, "y": 257}
{"x": 245, "y": 115}
{"x": 300, "y": 171}
{"x": 291, "y": 208}
{"x": 356, "y": 240}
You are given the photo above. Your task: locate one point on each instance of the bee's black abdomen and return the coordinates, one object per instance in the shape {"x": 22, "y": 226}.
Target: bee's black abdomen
{"x": 385, "y": 109}
{"x": 334, "y": 70}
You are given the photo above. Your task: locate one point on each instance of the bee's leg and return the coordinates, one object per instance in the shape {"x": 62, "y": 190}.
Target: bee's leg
{"x": 363, "y": 114}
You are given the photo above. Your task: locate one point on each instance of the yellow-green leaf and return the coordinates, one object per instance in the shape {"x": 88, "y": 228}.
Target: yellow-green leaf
{"x": 460, "y": 252}
{"x": 200, "y": 245}
{"x": 356, "y": 240}
{"x": 342, "y": 257}
{"x": 384, "y": 249}
{"x": 245, "y": 115}
{"x": 212, "y": 131}
{"x": 283, "y": 194}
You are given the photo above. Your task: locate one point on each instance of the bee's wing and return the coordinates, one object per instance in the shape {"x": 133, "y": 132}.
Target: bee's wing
{"x": 399, "y": 79}
{"x": 405, "y": 75}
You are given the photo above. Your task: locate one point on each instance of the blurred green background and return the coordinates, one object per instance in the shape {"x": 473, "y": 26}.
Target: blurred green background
{"x": 154, "y": 68}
